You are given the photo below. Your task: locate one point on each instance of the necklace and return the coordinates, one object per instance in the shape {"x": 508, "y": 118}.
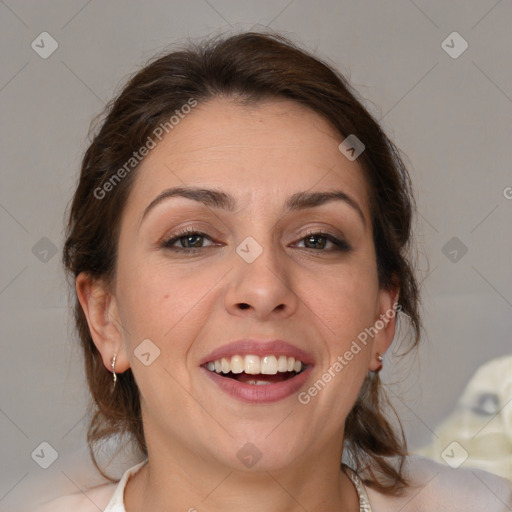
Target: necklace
{"x": 364, "y": 502}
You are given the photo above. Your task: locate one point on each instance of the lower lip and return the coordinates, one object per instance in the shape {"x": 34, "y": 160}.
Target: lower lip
{"x": 265, "y": 393}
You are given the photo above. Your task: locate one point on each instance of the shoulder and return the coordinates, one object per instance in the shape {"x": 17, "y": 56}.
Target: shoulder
{"x": 106, "y": 497}
{"x": 90, "y": 500}
{"x": 438, "y": 487}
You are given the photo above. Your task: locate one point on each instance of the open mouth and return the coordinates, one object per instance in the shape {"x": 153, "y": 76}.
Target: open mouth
{"x": 255, "y": 370}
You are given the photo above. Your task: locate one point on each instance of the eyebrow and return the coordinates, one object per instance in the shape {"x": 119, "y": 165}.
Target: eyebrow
{"x": 222, "y": 200}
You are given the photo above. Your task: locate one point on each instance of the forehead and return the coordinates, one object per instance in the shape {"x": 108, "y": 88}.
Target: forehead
{"x": 262, "y": 153}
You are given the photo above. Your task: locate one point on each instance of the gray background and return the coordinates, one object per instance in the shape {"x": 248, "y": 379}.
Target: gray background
{"x": 450, "y": 116}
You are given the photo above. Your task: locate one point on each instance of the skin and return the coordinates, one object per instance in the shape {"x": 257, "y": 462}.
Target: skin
{"x": 317, "y": 297}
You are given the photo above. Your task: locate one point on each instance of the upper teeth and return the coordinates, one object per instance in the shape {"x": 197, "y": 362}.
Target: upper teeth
{"x": 254, "y": 365}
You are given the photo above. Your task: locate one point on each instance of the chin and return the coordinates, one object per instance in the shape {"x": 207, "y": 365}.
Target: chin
{"x": 260, "y": 451}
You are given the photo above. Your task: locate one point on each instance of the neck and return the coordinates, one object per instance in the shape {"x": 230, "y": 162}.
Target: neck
{"x": 186, "y": 482}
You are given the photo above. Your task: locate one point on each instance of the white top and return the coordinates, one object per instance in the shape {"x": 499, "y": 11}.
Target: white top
{"x": 116, "y": 504}
{"x": 436, "y": 487}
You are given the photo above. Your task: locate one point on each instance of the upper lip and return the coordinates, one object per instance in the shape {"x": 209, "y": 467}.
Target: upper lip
{"x": 248, "y": 346}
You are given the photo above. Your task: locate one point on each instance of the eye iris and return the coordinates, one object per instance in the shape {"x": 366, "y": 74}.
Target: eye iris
{"x": 312, "y": 238}
{"x": 192, "y": 237}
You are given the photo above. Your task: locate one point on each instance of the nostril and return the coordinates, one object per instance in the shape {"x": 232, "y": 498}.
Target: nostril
{"x": 244, "y": 306}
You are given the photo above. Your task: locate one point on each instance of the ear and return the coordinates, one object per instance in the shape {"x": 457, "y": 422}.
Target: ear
{"x": 384, "y": 324}
{"x": 100, "y": 309}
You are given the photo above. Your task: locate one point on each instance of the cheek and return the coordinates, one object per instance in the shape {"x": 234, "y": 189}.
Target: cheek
{"x": 167, "y": 306}
{"x": 343, "y": 304}
{"x": 344, "y": 299}
{"x": 163, "y": 302}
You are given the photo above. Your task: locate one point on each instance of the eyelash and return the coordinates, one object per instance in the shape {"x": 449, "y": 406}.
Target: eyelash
{"x": 341, "y": 245}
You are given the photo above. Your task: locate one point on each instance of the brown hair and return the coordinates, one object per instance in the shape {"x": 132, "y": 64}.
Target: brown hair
{"x": 247, "y": 67}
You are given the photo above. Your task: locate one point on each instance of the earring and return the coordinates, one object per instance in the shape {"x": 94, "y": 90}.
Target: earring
{"x": 380, "y": 359}
{"x": 114, "y": 371}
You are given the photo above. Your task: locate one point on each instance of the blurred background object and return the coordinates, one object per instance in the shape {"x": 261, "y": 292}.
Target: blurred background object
{"x": 479, "y": 431}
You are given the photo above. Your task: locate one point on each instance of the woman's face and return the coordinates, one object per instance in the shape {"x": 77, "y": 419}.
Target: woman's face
{"x": 271, "y": 259}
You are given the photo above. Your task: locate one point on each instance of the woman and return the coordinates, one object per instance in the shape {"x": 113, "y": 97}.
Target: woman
{"x": 239, "y": 246}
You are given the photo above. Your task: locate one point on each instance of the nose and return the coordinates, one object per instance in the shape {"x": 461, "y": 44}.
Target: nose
{"x": 263, "y": 288}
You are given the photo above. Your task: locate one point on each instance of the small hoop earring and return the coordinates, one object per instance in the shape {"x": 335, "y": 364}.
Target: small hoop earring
{"x": 114, "y": 371}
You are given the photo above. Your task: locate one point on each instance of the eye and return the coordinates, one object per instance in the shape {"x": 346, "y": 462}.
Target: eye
{"x": 319, "y": 241}
{"x": 188, "y": 240}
